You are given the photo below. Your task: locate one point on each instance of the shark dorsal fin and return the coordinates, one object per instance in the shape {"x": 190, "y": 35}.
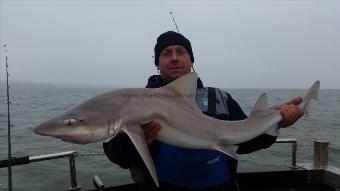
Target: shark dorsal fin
{"x": 185, "y": 86}
{"x": 261, "y": 107}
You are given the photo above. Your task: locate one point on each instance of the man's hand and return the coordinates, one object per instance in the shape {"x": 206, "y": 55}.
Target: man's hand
{"x": 151, "y": 131}
{"x": 290, "y": 111}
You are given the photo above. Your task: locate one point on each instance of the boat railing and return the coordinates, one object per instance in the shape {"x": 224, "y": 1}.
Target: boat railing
{"x": 72, "y": 164}
{"x": 71, "y": 155}
{"x": 292, "y": 141}
{"x": 29, "y": 159}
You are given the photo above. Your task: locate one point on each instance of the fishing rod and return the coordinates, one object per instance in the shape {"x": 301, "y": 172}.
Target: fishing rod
{"x": 174, "y": 21}
{"x": 175, "y": 25}
{"x": 9, "y": 125}
{"x": 173, "y": 18}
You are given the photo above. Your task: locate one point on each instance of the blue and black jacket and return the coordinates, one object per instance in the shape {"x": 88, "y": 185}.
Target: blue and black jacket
{"x": 190, "y": 169}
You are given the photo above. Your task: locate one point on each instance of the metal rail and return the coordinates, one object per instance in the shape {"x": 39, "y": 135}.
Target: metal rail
{"x": 72, "y": 154}
{"x": 294, "y": 150}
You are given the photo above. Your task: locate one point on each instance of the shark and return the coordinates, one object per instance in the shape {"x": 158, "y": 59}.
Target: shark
{"x": 173, "y": 106}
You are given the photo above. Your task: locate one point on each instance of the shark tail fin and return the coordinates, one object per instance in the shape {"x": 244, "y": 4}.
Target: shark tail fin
{"x": 312, "y": 94}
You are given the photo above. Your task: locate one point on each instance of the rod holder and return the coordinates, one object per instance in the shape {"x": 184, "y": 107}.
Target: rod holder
{"x": 98, "y": 183}
{"x": 320, "y": 153}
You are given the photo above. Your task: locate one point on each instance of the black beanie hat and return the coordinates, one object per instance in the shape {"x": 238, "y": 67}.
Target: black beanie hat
{"x": 172, "y": 38}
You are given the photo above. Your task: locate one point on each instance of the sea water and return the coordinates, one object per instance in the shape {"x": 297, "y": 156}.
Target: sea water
{"x": 35, "y": 103}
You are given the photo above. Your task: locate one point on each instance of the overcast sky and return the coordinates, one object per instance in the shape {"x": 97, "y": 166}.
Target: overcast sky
{"x": 236, "y": 44}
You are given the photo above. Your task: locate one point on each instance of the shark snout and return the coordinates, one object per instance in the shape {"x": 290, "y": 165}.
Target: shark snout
{"x": 45, "y": 129}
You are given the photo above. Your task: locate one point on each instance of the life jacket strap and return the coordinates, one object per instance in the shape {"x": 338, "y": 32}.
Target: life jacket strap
{"x": 211, "y": 102}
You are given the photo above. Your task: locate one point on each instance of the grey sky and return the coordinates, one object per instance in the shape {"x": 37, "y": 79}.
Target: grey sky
{"x": 236, "y": 44}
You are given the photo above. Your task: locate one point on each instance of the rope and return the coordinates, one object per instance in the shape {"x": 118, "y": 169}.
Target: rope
{"x": 79, "y": 154}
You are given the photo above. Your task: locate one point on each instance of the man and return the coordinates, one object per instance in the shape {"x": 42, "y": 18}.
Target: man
{"x": 190, "y": 169}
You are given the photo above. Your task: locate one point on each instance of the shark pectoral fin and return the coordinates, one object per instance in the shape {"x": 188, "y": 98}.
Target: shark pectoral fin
{"x": 229, "y": 150}
{"x": 109, "y": 139}
{"x": 137, "y": 137}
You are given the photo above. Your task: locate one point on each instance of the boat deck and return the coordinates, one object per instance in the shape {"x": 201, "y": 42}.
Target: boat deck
{"x": 268, "y": 177}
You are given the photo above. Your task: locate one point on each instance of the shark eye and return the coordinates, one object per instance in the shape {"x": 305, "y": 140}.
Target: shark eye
{"x": 69, "y": 122}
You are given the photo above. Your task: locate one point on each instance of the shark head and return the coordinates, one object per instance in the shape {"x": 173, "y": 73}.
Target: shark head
{"x": 84, "y": 124}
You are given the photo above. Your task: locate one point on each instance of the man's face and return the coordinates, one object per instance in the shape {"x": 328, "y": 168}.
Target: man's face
{"x": 174, "y": 61}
